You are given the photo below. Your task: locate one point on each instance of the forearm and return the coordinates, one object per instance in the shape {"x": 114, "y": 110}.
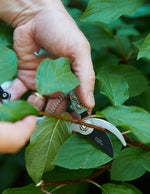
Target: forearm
{"x": 16, "y": 12}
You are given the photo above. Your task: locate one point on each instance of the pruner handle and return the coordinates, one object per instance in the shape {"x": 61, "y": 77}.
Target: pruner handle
{"x": 76, "y": 105}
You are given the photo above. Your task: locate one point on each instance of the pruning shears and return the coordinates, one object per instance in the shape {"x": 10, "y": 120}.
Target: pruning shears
{"x": 100, "y": 138}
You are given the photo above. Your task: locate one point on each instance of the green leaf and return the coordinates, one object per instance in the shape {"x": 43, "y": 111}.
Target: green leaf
{"x": 8, "y": 64}
{"x": 144, "y": 99}
{"x": 131, "y": 118}
{"x": 138, "y": 43}
{"x": 75, "y": 13}
{"x": 109, "y": 10}
{"x": 65, "y": 2}
{"x": 55, "y": 75}
{"x": 79, "y": 152}
{"x": 145, "y": 48}
{"x": 6, "y": 34}
{"x": 16, "y": 110}
{"x": 145, "y": 161}
{"x": 105, "y": 59}
{"x": 115, "y": 87}
{"x": 30, "y": 189}
{"x": 142, "y": 11}
{"x": 123, "y": 44}
{"x": 63, "y": 174}
{"x": 97, "y": 36}
{"x": 45, "y": 142}
{"x": 126, "y": 166}
{"x": 136, "y": 81}
{"x": 111, "y": 188}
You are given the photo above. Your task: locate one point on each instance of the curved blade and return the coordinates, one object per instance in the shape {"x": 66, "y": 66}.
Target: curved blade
{"x": 105, "y": 124}
{"x": 102, "y": 140}
{"x": 98, "y": 137}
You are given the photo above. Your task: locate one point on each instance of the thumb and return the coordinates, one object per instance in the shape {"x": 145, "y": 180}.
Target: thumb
{"x": 83, "y": 68}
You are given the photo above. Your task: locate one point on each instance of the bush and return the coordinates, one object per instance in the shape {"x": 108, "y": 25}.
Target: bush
{"x": 118, "y": 32}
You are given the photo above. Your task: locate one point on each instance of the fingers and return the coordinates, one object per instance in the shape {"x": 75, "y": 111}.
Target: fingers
{"x": 83, "y": 68}
{"x": 17, "y": 89}
{"x": 15, "y": 135}
{"x": 37, "y": 100}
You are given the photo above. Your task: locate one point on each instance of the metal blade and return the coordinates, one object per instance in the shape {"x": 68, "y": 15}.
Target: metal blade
{"x": 102, "y": 140}
{"x": 98, "y": 137}
{"x": 106, "y": 125}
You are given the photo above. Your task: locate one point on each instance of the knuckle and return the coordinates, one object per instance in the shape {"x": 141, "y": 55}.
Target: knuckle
{"x": 85, "y": 44}
{"x": 91, "y": 76}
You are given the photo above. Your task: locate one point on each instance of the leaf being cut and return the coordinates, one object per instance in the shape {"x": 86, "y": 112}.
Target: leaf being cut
{"x": 115, "y": 87}
{"x": 131, "y": 118}
{"x": 145, "y": 48}
{"x": 109, "y": 10}
{"x": 8, "y": 64}
{"x": 46, "y": 141}
{"x": 79, "y": 152}
{"x": 16, "y": 110}
{"x": 55, "y": 75}
{"x": 126, "y": 166}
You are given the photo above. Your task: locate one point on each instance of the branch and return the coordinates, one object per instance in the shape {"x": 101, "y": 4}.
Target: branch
{"x": 136, "y": 143}
{"x": 80, "y": 122}
{"x": 43, "y": 184}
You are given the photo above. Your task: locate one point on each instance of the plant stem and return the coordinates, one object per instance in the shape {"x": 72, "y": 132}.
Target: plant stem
{"x": 43, "y": 184}
{"x": 94, "y": 183}
{"x": 80, "y": 122}
{"x": 44, "y": 191}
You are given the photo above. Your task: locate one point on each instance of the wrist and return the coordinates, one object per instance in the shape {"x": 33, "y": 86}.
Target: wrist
{"x": 17, "y": 12}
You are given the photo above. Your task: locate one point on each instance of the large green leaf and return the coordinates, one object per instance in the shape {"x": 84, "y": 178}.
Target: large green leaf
{"x": 115, "y": 87}
{"x": 29, "y": 189}
{"x": 131, "y": 118}
{"x": 16, "y": 110}
{"x": 8, "y": 64}
{"x": 145, "y": 48}
{"x": 136, "y": 81}
{"x": 62, "y": 174}
{"x": 142, "y": 11}
{"x": 97, "y": 36}
{"x": 126, "y": 166}
{"x": 6, "y": 34}
{"x": 46, "y": 141}
{"x": 79, "y": 152}
{"x": 145, "y": 161}
{"x": 111, "y": 188}
{"x": 109, "y": 10}
{"x": 105, "y": 59}
{"x": 55, "y": 75}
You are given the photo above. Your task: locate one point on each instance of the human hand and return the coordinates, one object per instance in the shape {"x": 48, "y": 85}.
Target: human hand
{"x": 53, "y": 29}
{"x": 13, "y": 136}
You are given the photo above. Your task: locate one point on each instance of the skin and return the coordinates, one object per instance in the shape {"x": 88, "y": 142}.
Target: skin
{"x": 53, "y": 29}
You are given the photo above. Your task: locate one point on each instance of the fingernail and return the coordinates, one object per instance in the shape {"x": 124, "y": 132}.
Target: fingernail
{"x": 91, "y": 101}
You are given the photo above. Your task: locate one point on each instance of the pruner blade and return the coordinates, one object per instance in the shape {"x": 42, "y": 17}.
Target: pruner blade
{"x": 99, "y": 137}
